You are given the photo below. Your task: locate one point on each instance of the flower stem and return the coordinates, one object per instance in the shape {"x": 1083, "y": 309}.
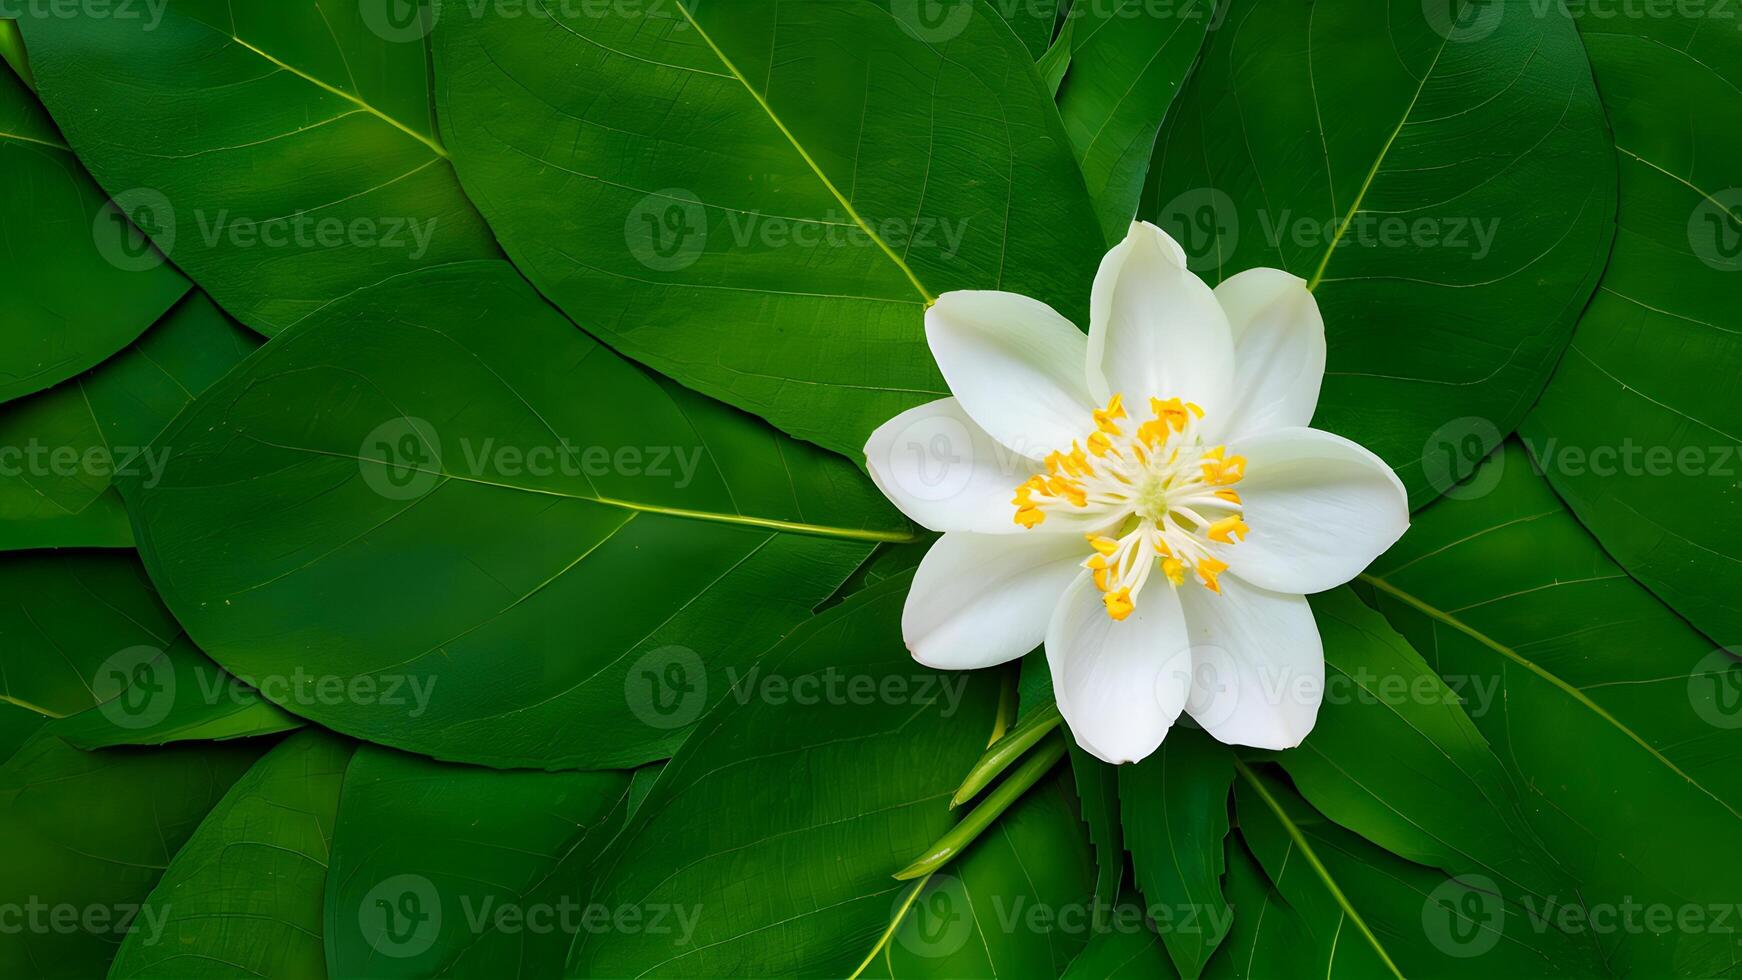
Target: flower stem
{"x": 1004, "y": 752}
{"x": 1038, "y": 764}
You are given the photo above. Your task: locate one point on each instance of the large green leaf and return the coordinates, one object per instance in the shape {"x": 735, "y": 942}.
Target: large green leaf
{"x": 79, "y": 281}
{"x": 84, "y": 836}
{"x": 780, "y": 822}
{"x": 1436, "y": 794}
{"x": 1127, "y": 951}
{"x": 759, "y": 198}
{"x": 68, "y": 444}
{"x": 282, "y": 154}
{"x": 1441, "y": 177}
{"x": 1620, "y": 721}
{"x": 1362, "y": 912}
{"x": 1128, "y": 61}
{"x": 1016, "y": 904}
{"x": 1640, "y": 429}
{"x": 494, "y": 541}
{"x": 443, "y": 870}
{"x": 243, "y": 896}
{"x": 1174, "y": 807}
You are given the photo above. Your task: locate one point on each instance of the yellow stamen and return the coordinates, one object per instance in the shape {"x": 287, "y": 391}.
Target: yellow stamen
{"x": 1028, "y": 517}
{"x": 1174, "y": 569}
{"x": 1104, "y": 545}
{"x": 1208, "y": 570}
{"x": 1118, "y": 604}
{"x": 1227, "y": 529}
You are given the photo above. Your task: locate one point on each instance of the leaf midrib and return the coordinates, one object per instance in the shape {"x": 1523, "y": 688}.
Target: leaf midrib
{"x": 804, "y": 154}
{"x": 1579, "y": 697}
{"x": 1306, "y": 850}
{"x": 715, "y": 517}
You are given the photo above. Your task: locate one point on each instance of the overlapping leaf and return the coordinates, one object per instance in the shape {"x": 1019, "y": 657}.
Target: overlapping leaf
{"x": 282, "y": 155}
{"x": 1641, "y": 429}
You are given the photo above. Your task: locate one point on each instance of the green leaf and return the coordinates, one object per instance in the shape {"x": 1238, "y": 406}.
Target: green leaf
{"x": 1363, "y": 912}
{"x": 1174, "y": 808}
{"x": 1436, "y": 794}
{"x": 76, "y": 625}
{"x": 1440, "y": 176}
{"x": 73, "y": 440}
{"x": 243, "y": 896}
{"x": 12, "y": 49}
{"x": 781, "y": 820}
{"x": 79, "y": 280}
{"x": 442, "y": 870}
{"x": 283, "y": 155}
{"x": 17, "y": 725}
{"x": 69, "y": 847}
{"x": 495, "y": 541}
{"x": 1017, "y": 904}
{"x": 1500, "y": 584}
{"x": 1127, "y": 63}
{"x": 1640, "y": 428}
{"x": 763, "y": 221}
{"x": 1127, "y": 951}
{"x": 1032, "y": 21}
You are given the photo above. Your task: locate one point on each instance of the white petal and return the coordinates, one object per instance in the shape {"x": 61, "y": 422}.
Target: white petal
{"x": 1015, "y": 365}
{"x": 1119, "y": 685}
{"x": 980, "y": 599}
{"x": 1279, "y": 352}
{"x": 1258, "y": 668}
{"x": 1320, "y": 507}
{"x": 1155, "y": 329}
{"x": 944, "y": 472}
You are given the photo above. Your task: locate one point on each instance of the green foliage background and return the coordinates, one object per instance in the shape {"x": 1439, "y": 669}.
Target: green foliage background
{"x": 310, "y": 667}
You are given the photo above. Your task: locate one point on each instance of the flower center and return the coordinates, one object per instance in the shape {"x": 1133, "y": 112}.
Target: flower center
{"x": 1157, "y": 497}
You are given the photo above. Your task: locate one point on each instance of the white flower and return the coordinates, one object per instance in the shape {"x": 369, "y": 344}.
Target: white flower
{"x": 1147, "y": 500}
